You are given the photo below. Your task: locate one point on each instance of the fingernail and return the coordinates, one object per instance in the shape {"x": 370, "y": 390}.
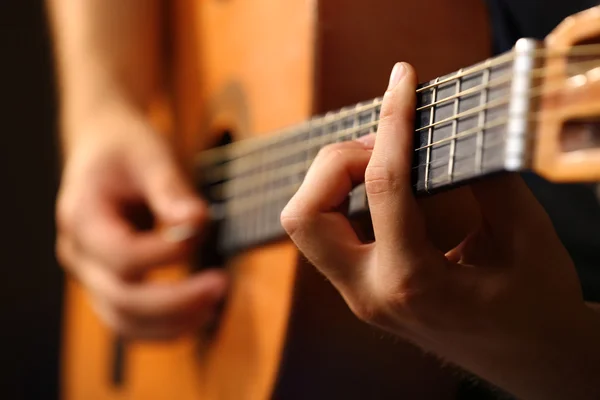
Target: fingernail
{"x": 185, "y": 210}
{"x": 397, "y": 73}
{"x": 179, "y": 233}
{"x": 182, "y": 210}
{"x": 368, "y": 141}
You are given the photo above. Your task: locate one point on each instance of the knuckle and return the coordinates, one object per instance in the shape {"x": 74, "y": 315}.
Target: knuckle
{"x": 112, "y": 318}
{"x": 389, "y": 111}
{"x": 370, "y": 312}
{"x": 120, "y": 302}
{"x": 120, "y": 326}
{"x": 65, "y": 214}
{"x": 413, "y": 296}
{"x": 64, "y": 254}
{"x": 333, "y": 152}
{"x": 292, "y": 219}
{"x": 330, "y": 152}
{"x": 406, "y": 300}
{"x": 122, "y": 266}
{"x": 379, "y": 180}
{"x": 395, "y": 109}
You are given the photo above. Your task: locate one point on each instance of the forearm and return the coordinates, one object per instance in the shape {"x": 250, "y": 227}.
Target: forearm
{"x": 106, "y": 50}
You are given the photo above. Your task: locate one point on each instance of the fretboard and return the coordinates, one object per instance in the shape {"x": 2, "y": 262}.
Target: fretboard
{"x": 469, "y": 124}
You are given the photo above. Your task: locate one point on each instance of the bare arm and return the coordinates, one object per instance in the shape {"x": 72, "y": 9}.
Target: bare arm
{"x": 106, "y": 51}
{"x": 108, "y": 58}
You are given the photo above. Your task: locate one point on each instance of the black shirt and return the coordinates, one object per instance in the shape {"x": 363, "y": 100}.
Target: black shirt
{"x": 574, "y": 209}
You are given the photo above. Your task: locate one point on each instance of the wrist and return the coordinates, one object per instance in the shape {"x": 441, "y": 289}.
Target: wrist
{"x": 105, "y": 116}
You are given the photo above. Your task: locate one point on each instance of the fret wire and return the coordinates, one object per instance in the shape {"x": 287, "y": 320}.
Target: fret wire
{"x": 242, "y": 204}
{"x": 217, "y": 172}
{"x": 532, "y": 116}
{"x": 239, "y": 148}
{"x": 535, "y": 92}
{"x": 268, "y": 178}
{"x": 495, "y": 123}
{"x": 220, "y": 214}
{"x": 232, "y": 186}
{"x": 248, "y": 144}
{"x": 474, "y": 90}
{"x": 235, "y": 168}
{"x": 309, "y": 158}
{"x": 434, "y": 91}
{"x": 502, "y": 59}
{"x": 373, "y": 120}
{"x": 481, "y": 122}
{"x": 454, "y": 131}
{"x": 474, "y": 110}
{"x": 356, "y": 122}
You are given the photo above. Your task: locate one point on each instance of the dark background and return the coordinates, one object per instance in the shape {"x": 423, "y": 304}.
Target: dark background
{"x": 30, "y": 280}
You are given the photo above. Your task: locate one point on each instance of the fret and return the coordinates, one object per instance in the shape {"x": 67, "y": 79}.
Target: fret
{"x": 356, "y": 122}
{"x": 331, "y": 128}
{"x": 481, "y": 123}
{"x": 434, "y": 91}
{"x": 343, "y": 125}
{"x": 454, "y": 127}
{"x": 268, "y": 188}
{"x": 309, "y": 151}
{"x": 374, "y": 116}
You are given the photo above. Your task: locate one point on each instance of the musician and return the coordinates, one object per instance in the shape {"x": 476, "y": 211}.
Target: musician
{"x": 507, "y": 304}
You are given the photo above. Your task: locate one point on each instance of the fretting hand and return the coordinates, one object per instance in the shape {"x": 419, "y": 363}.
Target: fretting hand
{"x": 505, "y": 303}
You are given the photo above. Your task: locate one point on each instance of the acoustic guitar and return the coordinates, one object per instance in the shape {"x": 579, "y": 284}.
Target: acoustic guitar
{"x": 252, "y": 85}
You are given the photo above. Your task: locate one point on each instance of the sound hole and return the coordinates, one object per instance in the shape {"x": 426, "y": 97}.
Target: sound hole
{"x": 580, "y": 135}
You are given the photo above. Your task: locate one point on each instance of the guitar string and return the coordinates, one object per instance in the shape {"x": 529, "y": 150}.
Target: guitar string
{"x": 253, "y": 226}
{"x": 258, "y": 177}
{"x": 253, "y": 200}
{"x": 331, "y": 117}
{"x": 217, "y": 173}
{"x": 236, "y": 186}
{"x": 240, "y": 165}
{"x": 237, "y": 149}
{"x": 579, "y": 50}
{"x": 240, "y": 205}
{"x": 285, "y": 193}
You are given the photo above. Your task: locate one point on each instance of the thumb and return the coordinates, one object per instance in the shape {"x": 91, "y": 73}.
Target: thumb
{"x": 168, "y": 191}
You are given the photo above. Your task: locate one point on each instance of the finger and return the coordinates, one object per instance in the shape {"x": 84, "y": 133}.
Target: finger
{"x": 148, "y": 309}
{"x": 312, "y": 220}
{"x": 103, "y": 233}
{"x": 117, "y": 302}
{"x": 140, "y": 329}
{"x": 167, "y": 190}
{"x": 155, "y": 302}
{"x": 397, "y": 223}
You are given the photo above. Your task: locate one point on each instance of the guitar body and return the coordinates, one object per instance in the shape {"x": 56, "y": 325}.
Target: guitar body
{"x": 248, "y": 68}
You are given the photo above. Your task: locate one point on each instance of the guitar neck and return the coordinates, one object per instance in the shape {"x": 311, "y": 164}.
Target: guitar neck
{"x": 468, "y": 124}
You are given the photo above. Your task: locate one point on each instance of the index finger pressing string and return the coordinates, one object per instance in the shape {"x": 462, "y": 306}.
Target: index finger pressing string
{"x": 311, "y": 218}
{"x": 397, "y": 223}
